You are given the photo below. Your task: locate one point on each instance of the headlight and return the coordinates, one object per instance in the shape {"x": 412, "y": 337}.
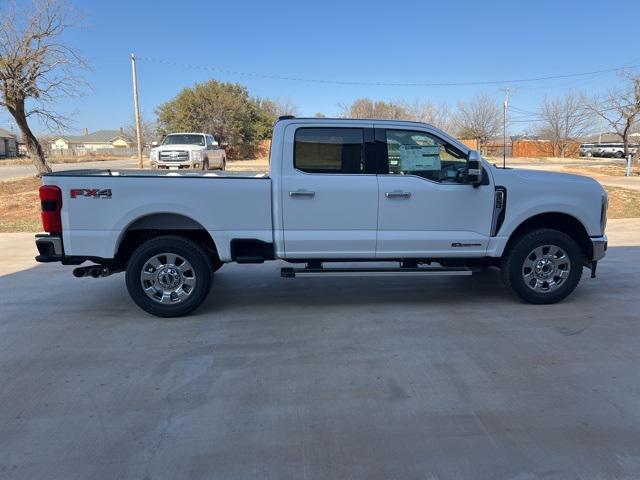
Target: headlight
{"x": 154, "y": 155}
{"x": 195, "y": 155}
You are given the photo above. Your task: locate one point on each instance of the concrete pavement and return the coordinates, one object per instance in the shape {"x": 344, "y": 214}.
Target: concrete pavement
{"x": 416, "y": 378}
{"x": 13, "y": 172}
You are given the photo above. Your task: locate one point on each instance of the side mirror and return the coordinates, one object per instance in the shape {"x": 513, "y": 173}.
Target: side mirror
{"x": 473, "y": 173}
{"x": 214, "y": 143}
{"x": 154, "y": 143}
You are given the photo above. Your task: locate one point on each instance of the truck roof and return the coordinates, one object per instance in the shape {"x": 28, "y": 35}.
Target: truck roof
{"x": 288, "y": 119}
{"x": 350, "y": 120}
{"x": 186, "y": 133}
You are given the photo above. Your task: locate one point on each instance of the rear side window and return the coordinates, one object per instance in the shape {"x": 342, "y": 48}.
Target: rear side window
{"x": 329, "y": 150}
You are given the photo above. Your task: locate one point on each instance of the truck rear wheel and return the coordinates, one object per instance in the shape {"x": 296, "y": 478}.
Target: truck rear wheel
{"x": 169, "y": 276}
{"x": 543, "y": 266}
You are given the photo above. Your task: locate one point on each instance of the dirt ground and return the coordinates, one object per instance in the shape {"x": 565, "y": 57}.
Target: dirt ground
{"x": 20, "y": 206}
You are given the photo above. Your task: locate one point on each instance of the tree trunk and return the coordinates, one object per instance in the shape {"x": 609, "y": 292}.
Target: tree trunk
{"x": 625, "y": 143}
{"x": 33, "y": 146}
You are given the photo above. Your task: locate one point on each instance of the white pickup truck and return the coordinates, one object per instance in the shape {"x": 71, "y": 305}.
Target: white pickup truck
{"x": 188, "y": 150}
{"x": 338, "y": 191}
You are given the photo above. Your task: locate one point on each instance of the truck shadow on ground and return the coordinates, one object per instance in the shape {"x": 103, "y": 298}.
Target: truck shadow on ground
{"x": 258, "y": 290}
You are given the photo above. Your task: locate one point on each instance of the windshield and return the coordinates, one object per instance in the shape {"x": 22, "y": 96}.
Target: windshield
{"x": 184, "y": 139}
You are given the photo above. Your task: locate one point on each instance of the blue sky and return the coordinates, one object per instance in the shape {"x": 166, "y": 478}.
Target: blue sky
{"x": 370, "y": 41}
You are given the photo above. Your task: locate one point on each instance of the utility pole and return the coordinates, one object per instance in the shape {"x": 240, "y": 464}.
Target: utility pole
{"x": 136, "y": 109}
{"x": 505, "y": 106}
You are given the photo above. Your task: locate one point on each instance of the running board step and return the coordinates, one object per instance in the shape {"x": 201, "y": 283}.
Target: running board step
{"x": 372, "y": 272}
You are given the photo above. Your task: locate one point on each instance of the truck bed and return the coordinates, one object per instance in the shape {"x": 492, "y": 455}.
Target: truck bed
{"x": 100, "y": 206}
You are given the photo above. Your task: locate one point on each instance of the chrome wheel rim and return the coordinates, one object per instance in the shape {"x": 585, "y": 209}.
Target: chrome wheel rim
{"x": 546, "y": 268}
{"x": 168, "y": 278}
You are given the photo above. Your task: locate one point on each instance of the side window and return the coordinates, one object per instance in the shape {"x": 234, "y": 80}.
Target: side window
{"x": 329, "y": 150}
{"x": 209, "y": 142}
{"x": 419, "y": 153}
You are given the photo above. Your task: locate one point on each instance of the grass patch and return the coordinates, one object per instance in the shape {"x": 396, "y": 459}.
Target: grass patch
{"x": 20, "y": 206}
{"x": 623, "y": 202}
{"x": 611, "y": 170}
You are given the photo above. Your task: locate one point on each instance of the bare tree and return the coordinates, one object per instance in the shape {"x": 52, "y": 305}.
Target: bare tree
{"x": 564, "y": 120}
{"x": 620, "y": 108}
{"x": 285, "y": 106}
{"x": 148, "y": 131}
{"x": 438, "y": 115}
{"x": 367, "y": 108}
{"x": 36, "y": 67}
{"x": 479, "y": 119}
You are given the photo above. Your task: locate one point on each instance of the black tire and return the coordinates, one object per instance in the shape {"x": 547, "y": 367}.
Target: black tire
{"x": 619, "y": 155}
{"x": 188, "y": 250}
{"x": 216, "y": 265}
{"x": 513, "y": 266}
{"x": 224, "y": 164}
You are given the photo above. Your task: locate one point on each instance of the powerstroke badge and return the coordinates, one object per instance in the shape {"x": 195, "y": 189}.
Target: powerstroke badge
{"x": 90, "y": 192}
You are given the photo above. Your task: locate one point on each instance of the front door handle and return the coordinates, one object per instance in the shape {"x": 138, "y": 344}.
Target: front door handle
{"x": 302, "y": 193}
{"x": 398, "y": 194}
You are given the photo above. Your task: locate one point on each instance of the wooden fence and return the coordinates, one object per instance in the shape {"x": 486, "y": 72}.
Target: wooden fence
{"x": 543, "y": 148}
{"x": 525, "y": 148}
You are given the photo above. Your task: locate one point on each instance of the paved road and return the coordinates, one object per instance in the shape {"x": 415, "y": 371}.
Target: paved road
{"x": 11, "y": 172}
{"x": 439, "y": 378}
{"x": 632, "y": 183}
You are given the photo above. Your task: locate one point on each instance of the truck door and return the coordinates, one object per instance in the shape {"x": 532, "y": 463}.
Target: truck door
{"x": 329, "y": 200}
{"x": 214, "y": 151}
{"x": 424, "y": 209}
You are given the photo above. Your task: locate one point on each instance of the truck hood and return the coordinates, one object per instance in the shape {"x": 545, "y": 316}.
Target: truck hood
{"x": 164, "y": 148}
{"x": 543, "y": 179}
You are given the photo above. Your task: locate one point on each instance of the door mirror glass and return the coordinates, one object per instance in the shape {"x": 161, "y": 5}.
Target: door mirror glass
{"x": 473, "y": 172}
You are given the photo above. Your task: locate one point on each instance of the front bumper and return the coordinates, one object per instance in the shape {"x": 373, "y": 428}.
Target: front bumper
{"x": 598, "y": 248}
{"x": 175, "y": 165}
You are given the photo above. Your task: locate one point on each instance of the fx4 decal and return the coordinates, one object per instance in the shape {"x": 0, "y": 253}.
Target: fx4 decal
{"x": 90, "y": 192}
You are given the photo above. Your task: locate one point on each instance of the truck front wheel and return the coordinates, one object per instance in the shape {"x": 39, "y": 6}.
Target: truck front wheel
{"x": 169, "y": 276}
{"x": 542, "y": 266}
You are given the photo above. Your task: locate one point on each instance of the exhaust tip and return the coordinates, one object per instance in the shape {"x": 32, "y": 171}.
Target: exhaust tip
{"x": 96, "y": 272}
{"x": 79, "y": 272}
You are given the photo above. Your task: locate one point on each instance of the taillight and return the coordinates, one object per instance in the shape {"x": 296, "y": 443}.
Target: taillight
{"x": 51, "y": 204}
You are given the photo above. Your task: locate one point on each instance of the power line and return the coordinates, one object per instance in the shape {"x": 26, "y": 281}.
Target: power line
{"x": 383, "y": 84}
{"x": 537, "y": 117}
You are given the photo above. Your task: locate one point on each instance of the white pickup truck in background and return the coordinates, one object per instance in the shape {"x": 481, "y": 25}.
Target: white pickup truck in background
{"x": 338, "y": 191}
{"x": 188, "y": 150}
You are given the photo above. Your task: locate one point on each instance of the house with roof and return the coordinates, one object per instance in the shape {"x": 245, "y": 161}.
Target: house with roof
{"x": 8, "y": 144}
{"x": 98, "y": 140}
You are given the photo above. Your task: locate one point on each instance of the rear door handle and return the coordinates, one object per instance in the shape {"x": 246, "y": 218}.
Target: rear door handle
{"x": 302, "y": 193}
{"x": 398, "y": 194}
